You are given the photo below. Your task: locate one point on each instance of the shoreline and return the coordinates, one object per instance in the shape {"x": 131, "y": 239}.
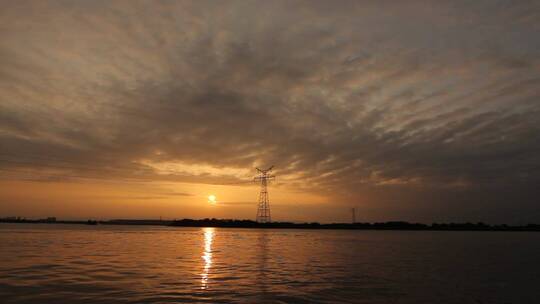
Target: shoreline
{"x": 217, "y": 223}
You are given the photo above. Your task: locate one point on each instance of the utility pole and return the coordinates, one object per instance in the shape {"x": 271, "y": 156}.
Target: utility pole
{"x": 353, "y": 215}
{"x": 263, "y": 211}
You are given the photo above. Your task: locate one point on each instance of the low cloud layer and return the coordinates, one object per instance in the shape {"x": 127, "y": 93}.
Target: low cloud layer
{"x": 418, "y": 107}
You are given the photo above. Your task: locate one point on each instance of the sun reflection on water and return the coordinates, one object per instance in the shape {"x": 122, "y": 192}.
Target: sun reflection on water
{"x": 207, "y": 256}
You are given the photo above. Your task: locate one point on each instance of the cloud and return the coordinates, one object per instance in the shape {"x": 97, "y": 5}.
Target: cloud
{"x": 344, "y": 98}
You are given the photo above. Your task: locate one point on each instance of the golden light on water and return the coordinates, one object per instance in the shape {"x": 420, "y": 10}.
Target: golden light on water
{"x": 207, "y": 256}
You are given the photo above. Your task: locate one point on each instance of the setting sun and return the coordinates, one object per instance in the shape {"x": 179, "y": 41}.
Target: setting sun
{"x": 212, "y": 199}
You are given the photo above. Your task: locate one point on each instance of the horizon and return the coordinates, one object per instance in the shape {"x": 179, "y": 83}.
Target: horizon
{"x": 172, "y": 219}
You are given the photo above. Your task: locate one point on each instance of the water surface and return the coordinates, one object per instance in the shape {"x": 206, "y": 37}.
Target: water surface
{"x": 44, "y": 263}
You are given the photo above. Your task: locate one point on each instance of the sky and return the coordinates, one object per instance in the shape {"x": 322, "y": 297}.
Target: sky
{"x": 424, "y": 111}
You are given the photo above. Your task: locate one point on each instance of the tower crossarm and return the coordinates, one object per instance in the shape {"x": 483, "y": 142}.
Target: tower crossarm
{"x": 264, "y": 171}
{"x": 267, "y": 177}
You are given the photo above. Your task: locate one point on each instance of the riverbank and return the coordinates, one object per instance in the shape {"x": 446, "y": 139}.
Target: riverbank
{"x": 229, "y": 223}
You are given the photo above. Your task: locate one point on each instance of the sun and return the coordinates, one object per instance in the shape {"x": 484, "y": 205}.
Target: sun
{"x": 212, "y": 199}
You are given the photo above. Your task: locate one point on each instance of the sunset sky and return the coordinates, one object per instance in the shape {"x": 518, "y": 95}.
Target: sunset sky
{"x": 405, "y": 110}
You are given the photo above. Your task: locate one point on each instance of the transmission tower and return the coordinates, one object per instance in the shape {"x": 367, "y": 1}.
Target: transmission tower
{"x": 263, "y": 212}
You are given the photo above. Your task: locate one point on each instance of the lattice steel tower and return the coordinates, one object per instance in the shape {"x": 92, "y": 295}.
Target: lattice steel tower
{"x": 263, "y": 212}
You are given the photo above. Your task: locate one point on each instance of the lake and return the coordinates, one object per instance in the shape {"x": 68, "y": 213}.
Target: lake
{"x": 54, "y": 263}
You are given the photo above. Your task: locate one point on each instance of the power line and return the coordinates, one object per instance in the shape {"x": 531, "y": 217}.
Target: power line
{"x": 39, "y": 167}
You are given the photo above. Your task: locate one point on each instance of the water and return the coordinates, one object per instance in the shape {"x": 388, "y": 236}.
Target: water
{"x": 137, "y": 264}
